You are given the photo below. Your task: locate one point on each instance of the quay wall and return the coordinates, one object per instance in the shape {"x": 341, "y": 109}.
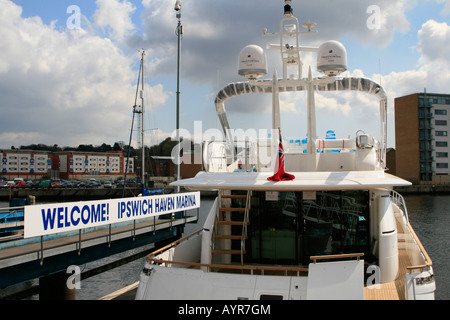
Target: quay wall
{"x": 424, "y": 189}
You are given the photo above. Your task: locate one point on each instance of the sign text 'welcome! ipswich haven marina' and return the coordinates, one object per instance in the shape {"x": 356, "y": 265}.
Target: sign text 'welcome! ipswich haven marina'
{"x": 48, "y": 219}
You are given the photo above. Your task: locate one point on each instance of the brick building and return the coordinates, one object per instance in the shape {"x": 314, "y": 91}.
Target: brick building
{"x": 71, "y": 165}
{"x": 25, "y": 164}
{"x": 422, "y": 124}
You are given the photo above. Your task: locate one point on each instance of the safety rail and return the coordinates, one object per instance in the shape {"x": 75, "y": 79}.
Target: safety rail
{"x": 250, "y": 268}
{"x": 152, "y": 259}
{"x": 174, "y": 244}
{"x": 9, "y": 214}
{"x": 399, "y": 201}
{"x": 244, "y": 226}
{"x": 11, "y": 219}
{"x": 214, "y": 227}
{"x": 426, "y": 257}
{"x": 337, "y": 256}
{"x": 228, "y": 156}
{"x": 10, "y": 210}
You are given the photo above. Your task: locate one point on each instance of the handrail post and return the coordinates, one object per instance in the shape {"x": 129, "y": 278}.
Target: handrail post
{"x": 244, "y": 226}
{"x": 400, "y": 201}
{"x": 42, "y": 251}
{"x": 79, "y": 242}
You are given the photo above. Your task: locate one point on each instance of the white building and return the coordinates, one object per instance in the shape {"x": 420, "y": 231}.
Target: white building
{"x": 26, "y": 164}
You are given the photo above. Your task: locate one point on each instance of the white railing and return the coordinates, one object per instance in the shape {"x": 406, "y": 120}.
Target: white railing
{"x": 417, "y": 254}
{"x": 399, "y": 201}
{"x": 244, "y": 226}
{"x": 222, "y": 156}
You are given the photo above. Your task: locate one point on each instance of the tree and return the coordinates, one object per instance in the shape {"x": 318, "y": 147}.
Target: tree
{"x": 164, "y": 148}
{"x": 119, "y": 146}
{"x": 104, "y": 148}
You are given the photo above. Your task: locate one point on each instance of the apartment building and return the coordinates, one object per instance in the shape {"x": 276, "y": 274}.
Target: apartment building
{"x": 25, "y": 164}
{"x": 422, "y": 124}
{"x": 34, "y": 165}
{"x": 74, "y": 164}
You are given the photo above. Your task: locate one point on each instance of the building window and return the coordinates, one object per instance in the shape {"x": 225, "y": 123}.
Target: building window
{"x": 440, "y": 122}
{"x": 441, "y": 154}
{"x": 441, "y": 112}
{"x": 441, "y": 144}
{"x": 442, "y": 165}
{"x": 441, "y": 133}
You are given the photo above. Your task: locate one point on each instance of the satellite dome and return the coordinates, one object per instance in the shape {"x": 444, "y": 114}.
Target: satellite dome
{"x": 332, "y": 58}
{"x": 252, "y": 62}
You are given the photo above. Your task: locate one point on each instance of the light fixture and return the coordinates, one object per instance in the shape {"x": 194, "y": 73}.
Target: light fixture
{"x": 178, "y": 5}
{"x": 288, "y": 9}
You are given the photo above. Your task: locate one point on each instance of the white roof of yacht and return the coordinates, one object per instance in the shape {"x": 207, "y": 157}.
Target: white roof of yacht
{"x": 304, "y": 181}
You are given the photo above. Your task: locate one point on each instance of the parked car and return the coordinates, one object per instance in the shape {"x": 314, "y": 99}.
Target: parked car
{"x": 6, "y": 184}
{"x": 19, "y": 184}
{"x": 42, "y": 184}
{"x": 107, "y": 184}
{"x": 93, "y": 184}
{"x": 29, "y": 184}
{"x": 119, "y": 183}
{"x": 55, "y": 183}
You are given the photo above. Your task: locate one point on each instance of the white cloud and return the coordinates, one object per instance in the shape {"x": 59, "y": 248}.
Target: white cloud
{"x": 86, "y": 83}
{"x": 216, "y": 31}
{"x": 65, "y": 87}
{"x": 433, "y": 69}
{"x": 434, "y": 42}
{"x": 115, "y": 14}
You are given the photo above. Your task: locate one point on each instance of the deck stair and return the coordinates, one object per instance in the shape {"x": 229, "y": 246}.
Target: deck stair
{"x": 231, "y": 226}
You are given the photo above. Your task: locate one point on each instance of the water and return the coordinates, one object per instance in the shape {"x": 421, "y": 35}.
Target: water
{"x": 429, "y": 215}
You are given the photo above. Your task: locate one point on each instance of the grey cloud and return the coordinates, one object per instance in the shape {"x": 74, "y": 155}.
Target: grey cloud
{"x": 232, "y": 24}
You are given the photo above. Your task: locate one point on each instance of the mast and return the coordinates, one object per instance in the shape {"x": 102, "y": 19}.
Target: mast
{"x": 142, "y": 118}
{"x": 179, "y": 32}
{"x": 137, "y": 110}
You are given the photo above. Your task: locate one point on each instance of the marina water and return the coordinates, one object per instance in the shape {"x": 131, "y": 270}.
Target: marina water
{"x": 429, "y": 215}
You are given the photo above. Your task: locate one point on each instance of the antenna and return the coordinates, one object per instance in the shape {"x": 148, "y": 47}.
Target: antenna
{"x": 289, "y": 32}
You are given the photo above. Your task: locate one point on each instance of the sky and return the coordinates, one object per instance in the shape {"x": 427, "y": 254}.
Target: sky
{"x": 69, "y": 68}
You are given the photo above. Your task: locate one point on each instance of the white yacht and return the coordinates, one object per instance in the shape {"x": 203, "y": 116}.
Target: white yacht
{"x": 318, "y": 220}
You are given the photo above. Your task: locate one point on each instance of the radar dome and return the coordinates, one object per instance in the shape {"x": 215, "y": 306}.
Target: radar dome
{"x": 332, "y": 58}
{"x": 252, "y": 62}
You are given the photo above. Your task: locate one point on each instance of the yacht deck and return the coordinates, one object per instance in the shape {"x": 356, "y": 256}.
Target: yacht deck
{"x": 393, "y": 290}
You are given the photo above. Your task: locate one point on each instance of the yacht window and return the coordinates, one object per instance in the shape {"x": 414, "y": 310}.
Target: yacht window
{"x": 290, "y": 229}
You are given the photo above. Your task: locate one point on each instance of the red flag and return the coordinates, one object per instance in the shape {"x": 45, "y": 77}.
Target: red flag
{"x": 280, "y": 174}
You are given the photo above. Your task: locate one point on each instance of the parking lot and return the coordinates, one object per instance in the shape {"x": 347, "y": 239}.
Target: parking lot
{"x": 60, "y": 183}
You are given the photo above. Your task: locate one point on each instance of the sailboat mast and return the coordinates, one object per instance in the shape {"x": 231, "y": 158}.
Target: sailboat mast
{"x": 142, "y": 121}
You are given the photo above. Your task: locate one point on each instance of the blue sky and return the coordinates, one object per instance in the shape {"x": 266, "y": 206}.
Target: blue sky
{"x": 71, "y": 87}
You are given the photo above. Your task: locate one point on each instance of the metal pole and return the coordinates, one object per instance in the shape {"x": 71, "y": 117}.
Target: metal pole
{"x": 142, "y": 123}
{"x": 179, "y": 33}
{"x": 131, "y": 132}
